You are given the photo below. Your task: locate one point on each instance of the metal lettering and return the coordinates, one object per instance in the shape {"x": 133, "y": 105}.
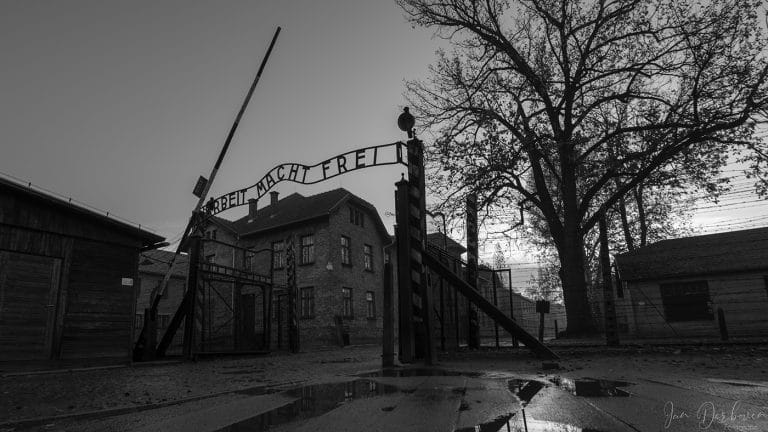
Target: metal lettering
{"x": 341, "y": 162}
{"x": 326, "y": 167}
{"x": 312, "y": 174}
{"x": 260, "y": 189}
{"x": 294, "y": 172}
{"x": 270, "y": 181}
{"x": 360, "y": 159}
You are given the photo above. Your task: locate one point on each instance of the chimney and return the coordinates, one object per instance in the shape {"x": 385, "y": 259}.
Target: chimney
{"x": 273, "y": 198}
{"x": 253, "y": 206}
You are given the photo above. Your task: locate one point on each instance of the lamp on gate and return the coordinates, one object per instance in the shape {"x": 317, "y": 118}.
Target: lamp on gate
{"x": 406, "y": 121}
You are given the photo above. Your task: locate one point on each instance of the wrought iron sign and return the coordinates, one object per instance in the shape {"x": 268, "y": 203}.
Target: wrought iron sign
{"x": 386, "y": 154}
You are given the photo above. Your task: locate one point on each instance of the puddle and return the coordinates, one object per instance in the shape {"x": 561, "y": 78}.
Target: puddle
{"x": 590, "y": 387}
{"x": 525, "y": 390}
{"x": 518, "y": 422}
{"x": 316, "y": 400}
{"x": 418, "y": 372}
{"x": 312, "y": 401}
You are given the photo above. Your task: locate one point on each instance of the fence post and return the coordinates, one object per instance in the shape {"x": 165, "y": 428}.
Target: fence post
{"x": 721, "y": 323}
{"x": 388, "y": 348}
{"x": 611, "y": 330}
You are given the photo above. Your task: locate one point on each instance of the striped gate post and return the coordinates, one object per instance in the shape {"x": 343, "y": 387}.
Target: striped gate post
{"x": 417, "y": 227}
{"x": 406, "y": 343}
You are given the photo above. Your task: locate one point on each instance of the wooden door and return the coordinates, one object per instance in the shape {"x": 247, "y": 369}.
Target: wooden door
{"x": 29, "y": 289}
{"x": 248, "y": 329}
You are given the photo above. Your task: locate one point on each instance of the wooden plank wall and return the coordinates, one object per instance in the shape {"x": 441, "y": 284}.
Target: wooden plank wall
{"x": 28, "y": 291}
{"x": 92, "y": 313}
{"x": 99, "y": 311}
{"x": 742, "y": 297}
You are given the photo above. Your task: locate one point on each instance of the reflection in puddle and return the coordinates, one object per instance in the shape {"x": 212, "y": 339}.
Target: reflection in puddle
{"x": 590, "y": 387}
{"x": 313, "y": 401}
{"x": 517, "y": 424}
{"x": 525, "y": 390}
{"x": 413, "y": 372}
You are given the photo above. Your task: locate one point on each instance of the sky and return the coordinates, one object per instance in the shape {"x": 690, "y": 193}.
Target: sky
{"x": 122, "y": 105}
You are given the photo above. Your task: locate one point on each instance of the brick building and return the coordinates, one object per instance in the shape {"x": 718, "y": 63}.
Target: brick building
{"x": 339, "y": 243}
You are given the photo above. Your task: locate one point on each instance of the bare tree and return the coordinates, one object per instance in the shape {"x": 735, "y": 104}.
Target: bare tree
{"x": 566, "y": 106}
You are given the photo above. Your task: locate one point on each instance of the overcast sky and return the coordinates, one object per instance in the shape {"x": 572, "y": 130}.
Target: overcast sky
{"x": 123, "y": 104}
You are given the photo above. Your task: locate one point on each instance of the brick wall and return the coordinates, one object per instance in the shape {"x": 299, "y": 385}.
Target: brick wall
{"x": 326, "y": 275}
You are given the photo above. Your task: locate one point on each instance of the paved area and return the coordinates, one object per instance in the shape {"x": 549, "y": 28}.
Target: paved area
{"x": 662, "y": 388}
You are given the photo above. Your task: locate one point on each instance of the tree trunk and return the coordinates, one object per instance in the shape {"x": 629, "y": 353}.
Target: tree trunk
{"x": 571, "y": 253}
{"x": 577, "y": 310}
{"x": 625, "y": 224}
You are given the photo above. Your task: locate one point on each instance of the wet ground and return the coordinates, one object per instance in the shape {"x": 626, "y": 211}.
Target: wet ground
{"x": 643, "y": 390}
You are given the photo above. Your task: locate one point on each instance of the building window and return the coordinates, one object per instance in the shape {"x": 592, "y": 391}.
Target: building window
{"x": 387, "y": 257}
{"x": 307, "y": 304}
{"x": 345, "y": 250}
{"x": 139, "y": 321}
{"x": 250, "y": 260}
{"x": 368, "y": 257}
{"x": 278, "y": 255}
{"x": 307, "y": 249}
{"x": 356, "y": 216}
{"x": 686, "y": 301}
{"x": 346, "y": 302}
{"x": 163, "y": 320}
{"x": 210, "y": 259}
{"x": 370, "y": 305}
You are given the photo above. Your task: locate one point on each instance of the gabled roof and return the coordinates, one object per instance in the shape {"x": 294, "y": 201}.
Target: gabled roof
{"x": 729, "y": 252}
{"x": 296, "y": 209}
{"x": 156, "y": 262}
{"x": 436, "y": 238}
{"x": 148, "y": 239}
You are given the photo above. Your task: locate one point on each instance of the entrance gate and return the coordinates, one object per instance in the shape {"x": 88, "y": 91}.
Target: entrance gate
{"x": 415, "y": 306}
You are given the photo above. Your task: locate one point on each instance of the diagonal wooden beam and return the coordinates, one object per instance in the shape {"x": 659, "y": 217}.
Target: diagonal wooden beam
{"x": 487, "y": 307}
